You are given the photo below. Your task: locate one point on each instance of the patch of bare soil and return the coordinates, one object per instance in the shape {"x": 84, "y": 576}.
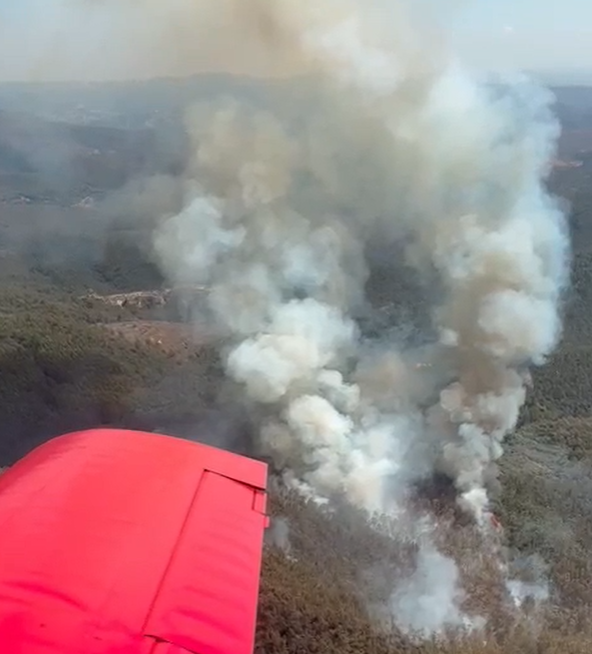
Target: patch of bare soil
{"x": 176, "y": 340}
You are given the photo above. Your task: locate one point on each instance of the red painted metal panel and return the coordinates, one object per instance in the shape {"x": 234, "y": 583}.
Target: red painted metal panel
{"x": 100, "y": 530}
{"x": 161, "y": 647}
{"x": 205, "y": 602}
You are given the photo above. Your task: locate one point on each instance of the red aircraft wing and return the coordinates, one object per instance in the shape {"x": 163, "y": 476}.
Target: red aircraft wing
{"x": 120, "y": 542}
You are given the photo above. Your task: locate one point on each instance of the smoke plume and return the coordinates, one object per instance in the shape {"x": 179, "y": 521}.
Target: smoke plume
{"x": 398, "y": 146}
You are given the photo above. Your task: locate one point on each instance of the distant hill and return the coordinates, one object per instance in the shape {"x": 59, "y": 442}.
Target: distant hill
{"x": 142, "y": 103}
{"x": 47, "y": 159}
{"x": 572, "y": 77}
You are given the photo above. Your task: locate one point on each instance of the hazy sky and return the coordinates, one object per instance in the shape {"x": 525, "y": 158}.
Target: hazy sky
{"x": 532, "y": 34}
{"x": 526, "y": 33}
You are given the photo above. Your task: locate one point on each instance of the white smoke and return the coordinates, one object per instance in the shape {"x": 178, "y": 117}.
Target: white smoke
{"x": 403, "y": 147}
{"x": 278, "y": 535}
{"x": 429, "y": 600}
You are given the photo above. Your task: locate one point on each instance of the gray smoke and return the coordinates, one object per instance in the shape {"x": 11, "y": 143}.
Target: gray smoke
{"x": 278, "y": 535}
{"x": 431, "y": 597}
{"x": 401, "y": 147}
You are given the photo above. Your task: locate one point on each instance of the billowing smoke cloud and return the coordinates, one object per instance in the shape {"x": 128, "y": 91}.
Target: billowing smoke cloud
{"x": 431, "y": 597}
{"x": 399, "y": 147}
{"x": 403, "y": 146}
